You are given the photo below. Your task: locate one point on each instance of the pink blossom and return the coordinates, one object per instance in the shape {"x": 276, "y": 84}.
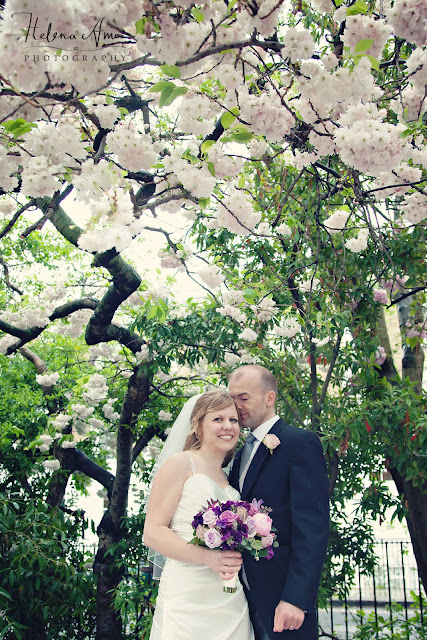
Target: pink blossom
{"x": 380, "y": 356}
{"x": 271, "y": 441}
{"x": 263, "y": 523}
{"x": 381, "y": 296}
{"x": 212, "y": 539}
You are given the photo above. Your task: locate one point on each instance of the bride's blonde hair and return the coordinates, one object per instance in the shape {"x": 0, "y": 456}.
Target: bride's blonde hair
{"x": 208, "y": 402}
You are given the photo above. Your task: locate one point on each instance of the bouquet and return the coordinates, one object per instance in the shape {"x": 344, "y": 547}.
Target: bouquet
{"x": 236, "y": 526}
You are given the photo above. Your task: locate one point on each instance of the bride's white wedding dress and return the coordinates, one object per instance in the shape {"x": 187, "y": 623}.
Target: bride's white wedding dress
{"x": 191, "y": 603}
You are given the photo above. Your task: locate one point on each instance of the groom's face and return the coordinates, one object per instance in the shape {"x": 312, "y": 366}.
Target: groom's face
{"x": 253, "y": 402}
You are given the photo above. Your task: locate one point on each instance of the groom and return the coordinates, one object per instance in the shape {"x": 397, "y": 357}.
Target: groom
{"x": 290, "y": 477}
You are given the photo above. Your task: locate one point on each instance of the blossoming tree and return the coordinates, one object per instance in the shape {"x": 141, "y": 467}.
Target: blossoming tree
{"x": 268, "y": 128}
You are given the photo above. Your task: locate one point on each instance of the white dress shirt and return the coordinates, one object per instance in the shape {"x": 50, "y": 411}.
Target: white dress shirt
{"x": 259, "y": 433}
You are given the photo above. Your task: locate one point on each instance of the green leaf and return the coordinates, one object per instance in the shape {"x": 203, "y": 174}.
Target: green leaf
{"x": 204, "y": 202}
{"x": 363, "y": 45}
{"x": 160, "y": 86}
{"x": 242, "y": 182}
{"x": 249, "y": 295}
{"x": 241, "y": 136}
{"x": 227, "y": 119}
{"x": 18, "y": 127}
{"x": 197, "y": 14}
{"x": 374, "y": 63}
{"x": 151, "y": 312}
{"x": 161, "y": 314}
{"x": 358, "y": 7}
{"x": 256, "y": 544}
{"x": 211, "y": 168}
{"x": 139, "y": 26}
{"x": 167, "y": 97}
{"x": 171, "y": 70}
{"x": 206, "y": 145}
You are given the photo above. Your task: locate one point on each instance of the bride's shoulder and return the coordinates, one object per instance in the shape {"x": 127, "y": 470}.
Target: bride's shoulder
{"x": 177, "y": 465}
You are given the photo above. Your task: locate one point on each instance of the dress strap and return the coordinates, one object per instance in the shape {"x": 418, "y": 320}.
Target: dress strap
{"x": 193, "y": 466}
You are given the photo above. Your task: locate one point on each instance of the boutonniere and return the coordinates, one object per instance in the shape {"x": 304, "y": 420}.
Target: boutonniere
{"x": 271, "y": 442}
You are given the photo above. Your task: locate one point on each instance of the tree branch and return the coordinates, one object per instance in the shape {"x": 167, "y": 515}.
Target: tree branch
{"x": 76, "y": 460}
{"x": 330, "y": 370}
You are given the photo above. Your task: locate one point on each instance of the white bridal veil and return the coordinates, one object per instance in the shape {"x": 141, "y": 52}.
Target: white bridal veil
{"x": 174, "y": 443}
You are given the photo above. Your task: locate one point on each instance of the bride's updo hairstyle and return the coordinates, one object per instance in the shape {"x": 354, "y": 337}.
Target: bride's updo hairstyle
{"x": 208, "y": 402}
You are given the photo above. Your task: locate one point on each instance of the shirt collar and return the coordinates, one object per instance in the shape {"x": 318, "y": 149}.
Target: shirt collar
{"x": 261, "y": 431}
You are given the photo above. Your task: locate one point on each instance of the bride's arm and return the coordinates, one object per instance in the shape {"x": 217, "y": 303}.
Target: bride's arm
{"x": 164, "y": 497}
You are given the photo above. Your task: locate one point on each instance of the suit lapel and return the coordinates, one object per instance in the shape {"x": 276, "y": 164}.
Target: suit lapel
{"x": 258, "y": 460}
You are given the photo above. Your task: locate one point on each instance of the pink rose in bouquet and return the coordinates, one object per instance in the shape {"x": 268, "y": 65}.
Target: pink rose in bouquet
{"x": 267, "y": 541}
{"x": 209, "y": 518}
{"x": 262, "y": 523}
{"x": 212, "y": 538}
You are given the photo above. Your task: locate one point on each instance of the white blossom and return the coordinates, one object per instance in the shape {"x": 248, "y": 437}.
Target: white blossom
{"x": 409, "y": 19}
{"x": 248, "y": 334}
{"x": 211, "y": 276}
{"x": 289, "y": 329}
{"x": 321, "y": 342}
{"x": 358, "y": 244}
{"x": 47, "y": 379}
{"x": 363, "y": 27}
{"x": 68, "y": 444}
{"x": 298, "y": 44}
{"x": 414, "y": 209}
{"x": 81, "y": 411}
{"x": 107, "y": 115}
{"x": 143, "y": 354}
{"x": 165, "y": 416}
{"x": 52, "y": 465}
{"x": 284, "y": 229}
{"x": 336, "y": 221}
{"x": 60, "y": 421}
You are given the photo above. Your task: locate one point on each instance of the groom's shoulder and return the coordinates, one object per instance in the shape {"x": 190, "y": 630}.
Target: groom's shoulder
{"x": 297, "y": 434}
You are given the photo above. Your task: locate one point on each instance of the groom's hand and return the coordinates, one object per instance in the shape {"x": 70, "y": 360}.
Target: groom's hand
{"x": 287, "y": 616}
{"x": 226, "y": 563}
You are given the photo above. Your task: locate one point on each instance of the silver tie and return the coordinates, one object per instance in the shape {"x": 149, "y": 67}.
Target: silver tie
{"x": 246, "y": 452}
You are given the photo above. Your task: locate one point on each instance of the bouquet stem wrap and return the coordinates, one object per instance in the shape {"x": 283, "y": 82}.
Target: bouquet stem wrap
{"x": 230, "y": 586}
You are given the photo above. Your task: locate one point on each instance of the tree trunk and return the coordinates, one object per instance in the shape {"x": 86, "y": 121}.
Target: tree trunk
{"x": 416, "y": 504}
{"x": 110, "y": 529}
{"x": 108, "y": 621}
{"x": 415, "y": 497}
{"x": 413, "y": 358}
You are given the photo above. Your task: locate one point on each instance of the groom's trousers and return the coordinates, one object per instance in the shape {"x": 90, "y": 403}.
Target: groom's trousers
{"x": 259, "y": 629}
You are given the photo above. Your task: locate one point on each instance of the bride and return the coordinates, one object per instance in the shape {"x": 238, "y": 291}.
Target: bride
{"x": 191, "y": 603}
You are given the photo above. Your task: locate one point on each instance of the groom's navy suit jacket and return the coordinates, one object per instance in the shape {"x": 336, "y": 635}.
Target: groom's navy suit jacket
{"x": 293, "y": 481}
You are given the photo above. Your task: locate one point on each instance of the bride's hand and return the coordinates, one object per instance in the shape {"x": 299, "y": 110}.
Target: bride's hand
{"x": 226, "y": 563}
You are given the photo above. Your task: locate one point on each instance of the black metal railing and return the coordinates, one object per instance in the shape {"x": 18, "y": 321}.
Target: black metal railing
{"x": 394, "y": 582}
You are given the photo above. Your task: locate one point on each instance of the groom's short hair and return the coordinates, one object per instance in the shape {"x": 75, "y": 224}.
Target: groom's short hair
{"x": 267, "y": 379}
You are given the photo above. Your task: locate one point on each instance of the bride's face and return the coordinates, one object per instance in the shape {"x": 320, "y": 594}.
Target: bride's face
{"x": 220, "y": 429}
